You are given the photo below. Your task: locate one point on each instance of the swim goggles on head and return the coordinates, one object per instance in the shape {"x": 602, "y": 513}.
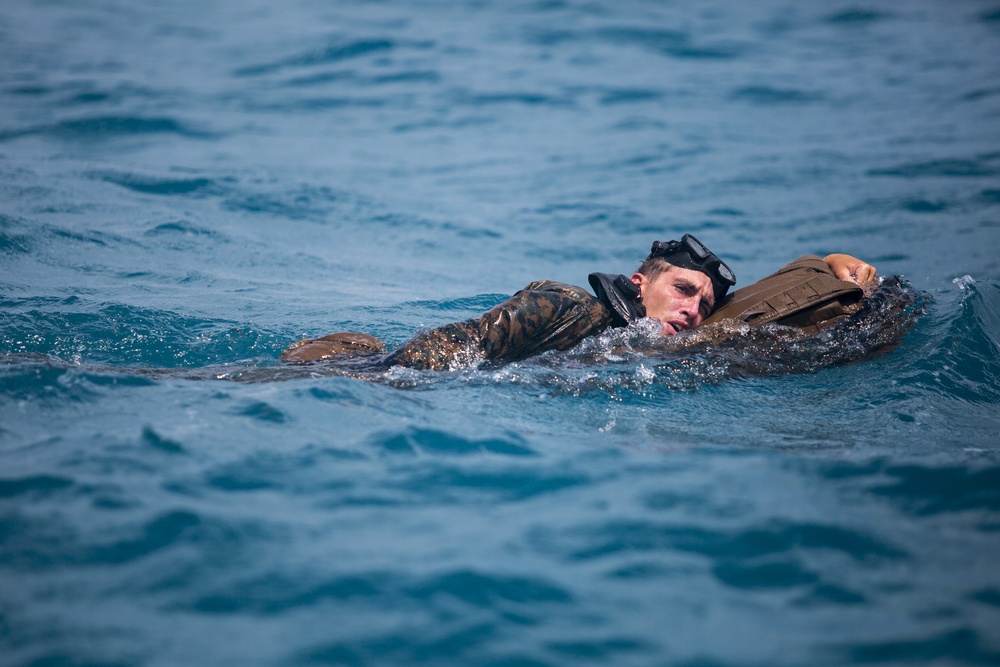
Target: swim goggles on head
{"x": 690, "y": 253}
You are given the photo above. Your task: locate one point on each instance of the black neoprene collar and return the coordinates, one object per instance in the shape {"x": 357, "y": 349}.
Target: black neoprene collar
{"x": 619, "y": 294}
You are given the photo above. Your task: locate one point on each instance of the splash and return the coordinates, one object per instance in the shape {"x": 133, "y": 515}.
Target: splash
{"x": 638, "y": 356}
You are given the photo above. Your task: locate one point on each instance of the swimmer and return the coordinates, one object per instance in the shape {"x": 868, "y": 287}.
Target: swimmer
{"x": 681, "y": 284}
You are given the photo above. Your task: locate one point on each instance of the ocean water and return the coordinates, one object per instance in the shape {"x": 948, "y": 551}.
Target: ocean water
{"x": 186, "y": 188}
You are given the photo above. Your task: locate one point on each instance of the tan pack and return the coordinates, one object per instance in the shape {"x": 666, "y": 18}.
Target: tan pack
{"x": 804, "y": 294}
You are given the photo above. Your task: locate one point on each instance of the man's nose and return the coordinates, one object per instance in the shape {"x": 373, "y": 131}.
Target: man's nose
{"x": 690, "y": 310}
{"x": 689, "y": 307}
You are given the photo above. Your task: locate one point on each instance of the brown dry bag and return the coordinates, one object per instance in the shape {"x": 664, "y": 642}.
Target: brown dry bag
{"x": 804, "y": 294}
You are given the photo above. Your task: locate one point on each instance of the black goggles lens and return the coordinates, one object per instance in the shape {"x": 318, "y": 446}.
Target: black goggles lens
{"x": 725, "y": 273}
{"x": 696, "y": 248}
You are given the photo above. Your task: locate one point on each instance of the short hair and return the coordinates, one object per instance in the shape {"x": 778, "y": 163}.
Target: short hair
{"x": 652, "y": 267}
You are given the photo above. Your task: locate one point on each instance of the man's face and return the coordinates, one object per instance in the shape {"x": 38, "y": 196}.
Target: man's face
{"x": 679, "y": 298}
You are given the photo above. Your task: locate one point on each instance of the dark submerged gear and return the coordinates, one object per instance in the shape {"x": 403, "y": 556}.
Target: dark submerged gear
{"x": 619, "y": 294}
{"x": 690, "y": 253}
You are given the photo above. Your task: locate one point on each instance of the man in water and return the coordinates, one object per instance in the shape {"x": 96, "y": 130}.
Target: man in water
{"x": 681, "y": 284}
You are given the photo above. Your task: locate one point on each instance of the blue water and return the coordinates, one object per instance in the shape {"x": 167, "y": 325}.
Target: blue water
{"x": 186, "y": 188}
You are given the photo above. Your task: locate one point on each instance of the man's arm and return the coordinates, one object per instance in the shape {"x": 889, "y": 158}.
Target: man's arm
{"x": 543, "y": 316}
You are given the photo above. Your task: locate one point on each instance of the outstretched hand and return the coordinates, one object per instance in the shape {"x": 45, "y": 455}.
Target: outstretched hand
{"x": 851, "y": 269}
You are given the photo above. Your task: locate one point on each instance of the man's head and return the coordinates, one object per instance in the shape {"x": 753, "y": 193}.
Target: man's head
{"x": 680, "y": 282}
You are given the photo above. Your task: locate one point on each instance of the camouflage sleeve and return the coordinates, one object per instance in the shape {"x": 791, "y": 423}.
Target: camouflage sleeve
{"x": 543, "y": 316}
{"x": 438, "y": 349}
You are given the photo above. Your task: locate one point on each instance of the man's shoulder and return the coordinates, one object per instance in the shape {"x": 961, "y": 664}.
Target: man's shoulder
{"x": 559, "y": 288}
{"x": 550, "y": 300}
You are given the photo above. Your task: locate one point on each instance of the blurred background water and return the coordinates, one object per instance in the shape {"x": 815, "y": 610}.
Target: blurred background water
{"x": 194, "y": 185}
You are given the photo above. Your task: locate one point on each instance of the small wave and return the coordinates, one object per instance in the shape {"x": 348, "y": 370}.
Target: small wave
{"x": 40, "y": 544}
{"x": 322, "y": 56}
{"x": 433, "y": 645}
{"x": 183, "y": 228}
{"x": 401, "y": 77}
{"x": 485, "y": 590}
{"x": 156, "y": 186}
{"x": 474, "y": 304}
{"x": 925, "y": 491}
{"x": 965, "y": 282}
{"x": 84, "y": 129}
{"x": 979, "y": 166}
{"x": 124, "y": 335}
{"x": 960, "y": 646}
{"x": 13, "y": 242}
{"x": 274, "y": 594}
{"x": 526, "y": 98}
{"x": 615, "y": 538}
{"x": 37, "y": 486}
{"x": 856, "y": 17}
{"x": 153, "y": 439}
{"x": 159, "y": 533}
{"x": 671, "y": 43}
{"x": 261, "y": 411}
{"x": 307, "y": 202}
{"x": 990, "y": 16}
{"x": 768, "y": 96}
{"x": 88, "y": 95}
{"x": 924, "y": 206}
{"x": 27, "y": 236}
{"x": 788, "y": 556}
{"x": 630, "y": 96}
{"x": 962, "y": 344}
{"x": 29, "y": 90}
{"x": 313, "y": 104}
{"x": 990, "y": 196}
{"x": 431, "y": 441}
{"x": 979, "y": 94}
{"x": 458, "y": 122}
{"x": 675, "y": 44}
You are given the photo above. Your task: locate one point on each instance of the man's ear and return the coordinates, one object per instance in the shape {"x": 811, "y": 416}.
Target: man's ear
{"x": 640, "y": 281}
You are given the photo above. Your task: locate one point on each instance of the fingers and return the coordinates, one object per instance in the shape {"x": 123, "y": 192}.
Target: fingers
{"x": 852, "y": 269}
{"x": 844, "y": 272}
{"x": 864, "y": 274}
